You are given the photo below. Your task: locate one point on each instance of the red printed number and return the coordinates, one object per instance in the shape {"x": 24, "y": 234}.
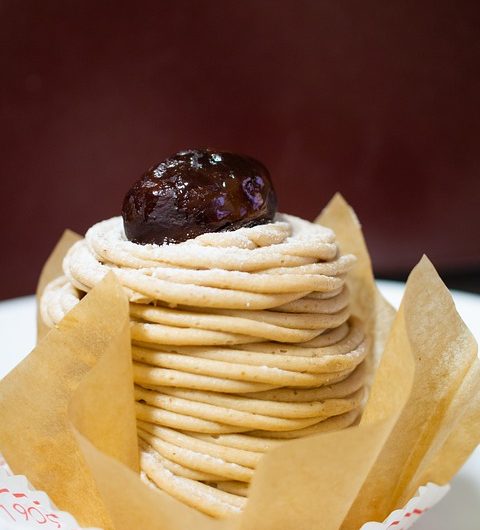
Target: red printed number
{"x": 30, "y": 513}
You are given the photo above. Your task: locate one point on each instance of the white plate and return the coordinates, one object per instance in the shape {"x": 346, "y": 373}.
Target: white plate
{"x": 460, "y": 510}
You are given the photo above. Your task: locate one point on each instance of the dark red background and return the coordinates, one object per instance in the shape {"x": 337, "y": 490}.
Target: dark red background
{"x": 377, "y": 99}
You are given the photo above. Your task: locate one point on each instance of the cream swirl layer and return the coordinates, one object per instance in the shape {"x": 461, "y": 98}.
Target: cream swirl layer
{"x": 275, "y": 297}
{"x": 251, "y": 268}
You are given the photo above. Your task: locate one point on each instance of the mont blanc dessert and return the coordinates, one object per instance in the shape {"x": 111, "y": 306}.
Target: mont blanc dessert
{"x": 241, "y": 330}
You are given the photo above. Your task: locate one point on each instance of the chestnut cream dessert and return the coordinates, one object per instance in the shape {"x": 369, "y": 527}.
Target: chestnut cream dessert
{"x": 241, "y": 330}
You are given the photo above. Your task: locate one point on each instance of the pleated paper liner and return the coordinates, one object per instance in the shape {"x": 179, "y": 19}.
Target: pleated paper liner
{"x": 68, "y": 423}
{"x": 23, "y": 507}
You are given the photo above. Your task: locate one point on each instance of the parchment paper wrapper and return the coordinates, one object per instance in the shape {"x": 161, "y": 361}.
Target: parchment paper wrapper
{"x": 67, "y": 416}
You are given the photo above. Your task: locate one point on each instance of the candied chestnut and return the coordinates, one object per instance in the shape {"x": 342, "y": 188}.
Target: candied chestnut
{"x": 198, "y": 191}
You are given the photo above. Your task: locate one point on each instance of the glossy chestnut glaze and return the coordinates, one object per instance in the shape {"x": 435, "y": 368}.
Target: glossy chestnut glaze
{"x": 198, "y": 191}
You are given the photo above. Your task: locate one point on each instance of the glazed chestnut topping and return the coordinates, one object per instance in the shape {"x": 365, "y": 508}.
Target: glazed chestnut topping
{"x": 198, "y": 191}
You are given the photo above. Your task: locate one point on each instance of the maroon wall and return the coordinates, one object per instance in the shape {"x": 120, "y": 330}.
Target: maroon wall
{"x": 377, "y": 99}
